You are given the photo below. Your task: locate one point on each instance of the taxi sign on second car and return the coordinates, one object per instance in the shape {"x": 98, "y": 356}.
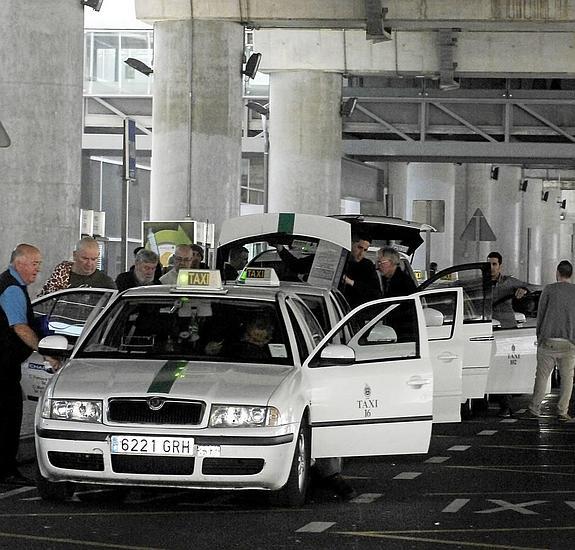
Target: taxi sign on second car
{"x": 259, "y": 276}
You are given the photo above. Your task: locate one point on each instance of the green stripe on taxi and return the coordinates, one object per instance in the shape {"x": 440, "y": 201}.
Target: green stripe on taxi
{"x": 166, "y": 377}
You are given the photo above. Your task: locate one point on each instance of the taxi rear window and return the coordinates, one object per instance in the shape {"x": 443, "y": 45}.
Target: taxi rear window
{"x": 196, "y": 328}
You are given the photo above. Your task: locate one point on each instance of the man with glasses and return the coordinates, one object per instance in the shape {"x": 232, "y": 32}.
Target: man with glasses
{"x": 393, "y": 280}
{"x": 183, "y": 257}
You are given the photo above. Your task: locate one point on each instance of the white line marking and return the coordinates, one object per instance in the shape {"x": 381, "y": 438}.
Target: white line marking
{"x": 366, "y": 498}
{"x": 437, "y": 459}
{"x": 459, "y": 448}
{"x": 487, "y": 432}
{"x": 509, "y": 420}
{"x": 520, "y": 508}
{"x": 15, "y": 492}
{"x": 570, "y": 503}
{"x": 407, "y": 475}
{"x": 316, "y": 527}
{"x": 456, "y": 505}
{"x": 520, "y": 411}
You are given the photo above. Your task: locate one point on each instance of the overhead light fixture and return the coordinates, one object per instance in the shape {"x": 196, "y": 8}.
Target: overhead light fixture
{"x": 258, "y": 108}
{"x": 562, "y": 216}
{"x": 544, "y": 196}
{"x": 94, "y": 4}
{"x": 562, "y": 204}
{"x": 494, "y": 173}
{"x": 252, "y": 65}
{"x": 523, "y": 185}
{"x": 4, "y": 137}
{"x": 139, "y": 66}
{"x": 348, "y": 107}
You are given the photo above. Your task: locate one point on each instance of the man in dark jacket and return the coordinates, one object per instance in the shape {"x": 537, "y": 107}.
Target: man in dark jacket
{"x": 142, "y": 273}
{"x": 394, "y": 281}
{"x": 17, "y": 341}
{"x": 360, "y": 279}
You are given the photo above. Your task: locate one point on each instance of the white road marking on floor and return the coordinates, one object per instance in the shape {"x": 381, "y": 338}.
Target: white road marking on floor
{"x": 366, "y": 498}
{"x": 407, "y": 475}
{"x": 15, "y": 492}
{"x": 31, "y": 499}
{"x": 570, "y": 503}
{"x": 520, "y": 411}
{"x": 316, "y": 527}
{"x": 487, "y": 432}
{"x": 508, "y": 420}
{"x": 503, "y": 505}
{"x": 437, "y": 459}
{"x": 456, "y": 505}
{"x": 459, "y": 448}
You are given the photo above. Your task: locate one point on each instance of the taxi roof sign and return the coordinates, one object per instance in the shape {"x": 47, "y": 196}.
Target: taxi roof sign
{"x": 199, "y": 279}
{"x": 259, "y": 276}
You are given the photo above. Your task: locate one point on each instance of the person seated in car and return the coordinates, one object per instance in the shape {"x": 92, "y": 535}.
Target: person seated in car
{"x": 393, "y": 280}
{"x": 252, "y": 345}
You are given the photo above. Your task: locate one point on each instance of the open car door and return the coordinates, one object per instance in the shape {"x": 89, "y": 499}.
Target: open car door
{"x": 372, "y": 394}
{"x": 64, "y": 312}
{"x": 443, "y": 312}
{"x": 475, "y": 280}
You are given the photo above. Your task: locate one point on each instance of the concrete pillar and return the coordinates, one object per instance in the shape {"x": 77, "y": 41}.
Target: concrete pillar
{"x": 500, "y": 201}
{"x": 396, "y": 189}
{"x": 305, "y": 142}
{"x": 433, "y": 181}
{"x": 41, "y": 109}
{"x": 197, "y": 116}
{"x": 566, "y": 226}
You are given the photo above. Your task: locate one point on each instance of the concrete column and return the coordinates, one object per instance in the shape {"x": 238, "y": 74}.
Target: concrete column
{"x": 566, "y": 227}
{"x": 396, "y": 189}
{"x": 540, "y": 233}
{"x": 41, "y": 109}
{"x": 197, "y": 118}
{"x": 500, "y": 201}
{"x": 305, "y": 142}
{"x": 428, "y": 181}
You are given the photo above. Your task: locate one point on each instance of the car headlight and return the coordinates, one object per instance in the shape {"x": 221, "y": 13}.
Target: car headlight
{"x": 72, "y": 409}
{"x": 240, "y": 416}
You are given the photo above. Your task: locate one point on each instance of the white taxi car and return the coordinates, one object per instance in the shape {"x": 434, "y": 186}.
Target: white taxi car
{"x": 166, "y": 388}
{"x": 461, "y": 335}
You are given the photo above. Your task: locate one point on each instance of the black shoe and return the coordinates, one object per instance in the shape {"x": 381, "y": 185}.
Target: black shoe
{"x": 16, "y": 478}
{"x": 505, "y": 413}
{"x": 340, "y": 487}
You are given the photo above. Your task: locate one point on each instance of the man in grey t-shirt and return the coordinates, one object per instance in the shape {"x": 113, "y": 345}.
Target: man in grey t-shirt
{"x": 555, "y": 340}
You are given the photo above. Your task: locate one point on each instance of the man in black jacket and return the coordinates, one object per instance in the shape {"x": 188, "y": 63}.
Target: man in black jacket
{"x": 17, "y": 341}
{"x": 360, "y": 279}
{"x": 394, "y": 281}
{"x": 142, "y": 273}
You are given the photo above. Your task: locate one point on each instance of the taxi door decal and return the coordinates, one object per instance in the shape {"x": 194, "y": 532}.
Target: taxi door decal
{"x": 167, "y": 375}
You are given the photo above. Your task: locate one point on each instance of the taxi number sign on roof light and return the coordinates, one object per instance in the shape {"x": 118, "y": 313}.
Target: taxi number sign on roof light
{"x": 259, "y": 276}
{"x": 199, "y": 279}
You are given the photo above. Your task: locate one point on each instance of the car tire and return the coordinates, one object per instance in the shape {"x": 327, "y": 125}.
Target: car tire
{"x": 53, "y": 491}
{"x": 294, "y": 492}
{"x": 467, "y": 410}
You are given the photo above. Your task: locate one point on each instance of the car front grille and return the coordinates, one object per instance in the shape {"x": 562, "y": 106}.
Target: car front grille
{"x": 146, "y": 411}
{"x": 77, "y": 461}
{"x": 153, "y": 465}
{"x": 232, "y": 466}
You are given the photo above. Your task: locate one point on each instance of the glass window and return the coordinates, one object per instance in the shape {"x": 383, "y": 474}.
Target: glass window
{"x": 207, "y": 329}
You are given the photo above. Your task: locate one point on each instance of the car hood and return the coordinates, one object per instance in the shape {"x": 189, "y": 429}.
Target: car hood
{"x": 209, "y": 382}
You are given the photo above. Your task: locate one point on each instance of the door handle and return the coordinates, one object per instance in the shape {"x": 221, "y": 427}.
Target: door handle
{"x": 447, "y": 356}
{"x": 417, "y": 381}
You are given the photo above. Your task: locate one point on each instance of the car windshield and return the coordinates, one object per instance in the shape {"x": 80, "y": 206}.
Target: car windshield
{"x": 214, "y": 329}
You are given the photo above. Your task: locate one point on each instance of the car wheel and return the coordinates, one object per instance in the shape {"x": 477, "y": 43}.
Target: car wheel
{"x": 467, "y": 410}
{"x": 294, "y": 492}
{"x": 53, "y": 491}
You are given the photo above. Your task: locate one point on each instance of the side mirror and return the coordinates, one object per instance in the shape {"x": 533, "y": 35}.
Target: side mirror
{"x": 54, "y": 346}
{"x": 337, "y": 354}
{"x": 433, "y": 317}
{"x": 382, "y": 334}
{"x": 520, "y": 318}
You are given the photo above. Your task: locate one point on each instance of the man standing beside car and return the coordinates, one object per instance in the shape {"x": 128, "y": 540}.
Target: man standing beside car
{"x": 143, "y": 273}
{"x": 17, "y": 340}
{"x": 555, "y": 341}
{"x": 360, "y": 279}
{"x": 394, "y": 281}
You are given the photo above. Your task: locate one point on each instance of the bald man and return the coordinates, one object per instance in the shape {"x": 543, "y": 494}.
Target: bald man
{"x": 17, "y": 341}
{"x": 81, "y": 272}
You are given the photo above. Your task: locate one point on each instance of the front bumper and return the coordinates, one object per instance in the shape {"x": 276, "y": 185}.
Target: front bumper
{"x": 245, "y": 461}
